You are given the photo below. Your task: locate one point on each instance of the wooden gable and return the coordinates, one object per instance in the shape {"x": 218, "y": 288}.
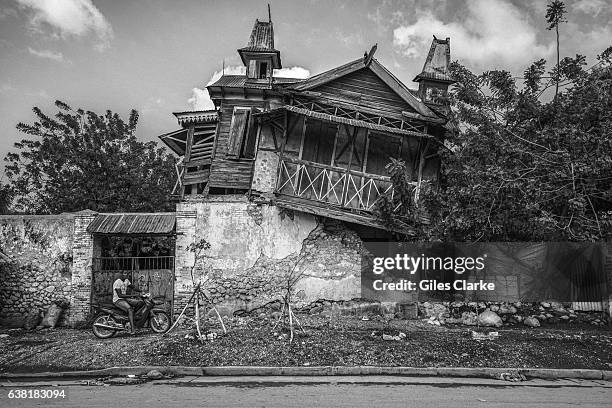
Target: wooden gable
{"x": 381, "y": 91}
{"x": 365, "y": 89}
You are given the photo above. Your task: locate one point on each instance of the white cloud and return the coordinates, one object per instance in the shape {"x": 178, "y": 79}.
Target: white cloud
{"x": 69, "y": 18}
{"x": 593, "y": 7}
{"x": 48, "y": 54}
{"x": 591, "y": 42}
{"x": 200, "y": 100}
{"x": 488, "y": 32}
{"x": 293, "y": 72}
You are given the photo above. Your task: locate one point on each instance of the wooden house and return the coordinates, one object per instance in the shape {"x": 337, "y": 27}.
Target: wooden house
{"x": 318, "y": 145}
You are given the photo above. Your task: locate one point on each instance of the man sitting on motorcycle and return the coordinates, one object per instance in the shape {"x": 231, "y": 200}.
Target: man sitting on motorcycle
{"x": 123, "y": 301}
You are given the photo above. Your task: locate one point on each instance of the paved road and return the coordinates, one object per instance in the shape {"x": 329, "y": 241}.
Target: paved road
{"x": 371, "y": 393}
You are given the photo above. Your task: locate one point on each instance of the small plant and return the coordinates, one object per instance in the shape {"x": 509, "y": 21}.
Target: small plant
{"x": 287, "y": 288}
{"x": 198, "y": 248}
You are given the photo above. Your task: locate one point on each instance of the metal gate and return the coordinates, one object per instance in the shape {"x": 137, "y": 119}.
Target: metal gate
{"x": 149, "y": 274}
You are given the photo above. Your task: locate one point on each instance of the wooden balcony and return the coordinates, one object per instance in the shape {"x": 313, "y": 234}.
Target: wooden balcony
{"x": 330, "y": 191}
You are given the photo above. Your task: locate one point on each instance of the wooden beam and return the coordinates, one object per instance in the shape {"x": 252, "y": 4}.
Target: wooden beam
{"x": 274, "y": 138}
{"x": 283, "y": 144}
{"x": 311, "y": 207}
{"x": 370, "y": 55}
{"x": 189, "y": 143}
{"x": 367, "y": 151}
{"x": 333, "y": 158}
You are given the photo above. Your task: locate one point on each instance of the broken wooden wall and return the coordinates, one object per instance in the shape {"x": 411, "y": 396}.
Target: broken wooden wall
{"x": 227, "y": 170}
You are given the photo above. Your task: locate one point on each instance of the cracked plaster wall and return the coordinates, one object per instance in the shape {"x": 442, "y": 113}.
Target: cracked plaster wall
{"x": 253, "y": 247}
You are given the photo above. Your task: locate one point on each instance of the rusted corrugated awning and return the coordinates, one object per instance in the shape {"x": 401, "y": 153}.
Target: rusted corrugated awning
{"x": 338, "y": 119}
{"x": 151, "y": 223}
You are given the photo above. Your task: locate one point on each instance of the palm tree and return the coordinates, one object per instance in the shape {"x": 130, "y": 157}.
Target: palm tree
{"x": 554, "y": 16}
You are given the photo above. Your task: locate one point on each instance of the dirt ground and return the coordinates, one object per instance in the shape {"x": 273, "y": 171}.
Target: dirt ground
{"x": 349, "y": 341}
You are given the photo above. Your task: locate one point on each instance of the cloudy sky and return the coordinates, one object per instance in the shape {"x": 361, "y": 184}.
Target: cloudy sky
{"x": 157, "y": 56}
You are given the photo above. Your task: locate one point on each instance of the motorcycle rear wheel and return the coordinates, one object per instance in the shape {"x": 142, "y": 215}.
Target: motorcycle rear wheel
{"x": 159, "y": 321}
{"x": 101, "y": 332}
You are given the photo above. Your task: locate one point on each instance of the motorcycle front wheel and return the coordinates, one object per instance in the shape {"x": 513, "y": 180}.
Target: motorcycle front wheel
{"x": 102, "y": 332}
{"x": 159, "y": 321}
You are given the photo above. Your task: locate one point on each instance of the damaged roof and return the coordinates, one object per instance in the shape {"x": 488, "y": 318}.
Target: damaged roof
{"x": 240, "y": 81}
{"x": 261, "y": 42}
{"x": 133, "y": 223}
{"x": 437, "y": 63}
{"x": 262, "y": 37}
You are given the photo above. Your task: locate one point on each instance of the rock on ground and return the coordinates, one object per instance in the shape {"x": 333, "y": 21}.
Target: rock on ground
{"x": 531, "y": 322}
{"x": 154, "y": 375}
{"x": 489, "y": 318}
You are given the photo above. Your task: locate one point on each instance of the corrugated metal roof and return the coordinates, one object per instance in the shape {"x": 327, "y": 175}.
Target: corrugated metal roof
{"x": 337, "y": 119}
{"x": 240, "y": 81}
{"x": 133, "y": 223}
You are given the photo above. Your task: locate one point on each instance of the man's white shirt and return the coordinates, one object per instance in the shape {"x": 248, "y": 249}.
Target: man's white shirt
{"x": 122, "y": 286}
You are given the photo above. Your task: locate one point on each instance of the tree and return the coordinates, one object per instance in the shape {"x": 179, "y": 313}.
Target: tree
{"x": 6, "y": 197}
{"x": 78, "y": 160}
{"x": 555, "y": 12}
{"x": 523, "y": 169}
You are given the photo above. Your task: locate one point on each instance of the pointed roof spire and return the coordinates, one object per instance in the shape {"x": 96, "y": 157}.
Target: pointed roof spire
{"x": 436, "y": 67}
{"x": 262, "y": 37}
{"x": 262, "y": 41}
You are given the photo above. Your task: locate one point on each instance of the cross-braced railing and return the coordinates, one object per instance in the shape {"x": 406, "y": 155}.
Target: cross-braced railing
{"x": 333, "y": 185}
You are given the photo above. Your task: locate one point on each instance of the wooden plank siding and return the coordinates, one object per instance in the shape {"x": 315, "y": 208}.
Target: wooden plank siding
{"x": 364, "y": 89}
{"x": 227, "y": 171}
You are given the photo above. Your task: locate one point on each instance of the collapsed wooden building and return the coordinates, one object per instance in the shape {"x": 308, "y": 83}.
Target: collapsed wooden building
{"x": 318, "y": 145}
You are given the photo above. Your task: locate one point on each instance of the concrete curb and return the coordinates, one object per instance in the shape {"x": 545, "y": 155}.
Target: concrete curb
{"x": 485, "y": 372}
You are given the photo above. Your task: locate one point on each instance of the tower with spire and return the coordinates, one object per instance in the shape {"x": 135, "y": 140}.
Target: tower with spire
{"x": 435, "y": 79}
{"x": 259, "y": 56}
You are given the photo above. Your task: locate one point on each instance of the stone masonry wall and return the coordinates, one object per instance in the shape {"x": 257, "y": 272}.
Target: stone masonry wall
{"x": 253, "y": 248}
{"x": 82, "y": 253}
{"x": 608, "y": 266}
{"x": 265, "y": 171}
{"x": 38, "y": 270}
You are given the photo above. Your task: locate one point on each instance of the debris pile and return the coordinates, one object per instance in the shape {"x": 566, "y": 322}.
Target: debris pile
{"x": 497, "y": 314}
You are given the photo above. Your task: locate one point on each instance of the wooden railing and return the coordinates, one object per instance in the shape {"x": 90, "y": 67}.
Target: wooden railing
{"x": 348, "y": 189}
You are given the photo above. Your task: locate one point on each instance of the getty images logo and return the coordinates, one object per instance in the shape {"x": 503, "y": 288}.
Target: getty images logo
{"x": 411, "y": 264}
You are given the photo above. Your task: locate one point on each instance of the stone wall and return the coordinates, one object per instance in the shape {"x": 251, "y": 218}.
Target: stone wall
{"x": 608, "y": 266}
{"x": 85, "y": 247}
{"x": 38, "y": 267}
{"x": 255, "y": 247}
{"x": 265, "y": 171}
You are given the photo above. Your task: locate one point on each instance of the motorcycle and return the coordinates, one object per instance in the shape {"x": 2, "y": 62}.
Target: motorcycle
{"x": 110, "y": 319}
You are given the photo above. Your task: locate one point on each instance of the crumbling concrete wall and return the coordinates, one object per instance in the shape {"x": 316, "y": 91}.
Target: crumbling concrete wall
{"x": 254, "y": 247}
{"x": 37, "y": 269}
